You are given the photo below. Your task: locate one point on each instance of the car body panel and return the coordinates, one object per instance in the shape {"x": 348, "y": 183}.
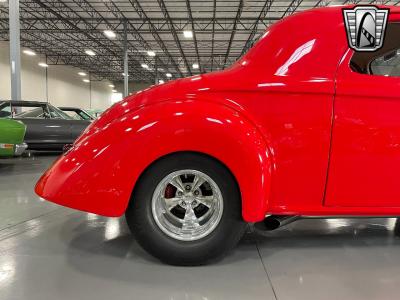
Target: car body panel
{"x": 278, "y": 100}
{"x": 365, "y": 156}
{"x": 11, "y": 134}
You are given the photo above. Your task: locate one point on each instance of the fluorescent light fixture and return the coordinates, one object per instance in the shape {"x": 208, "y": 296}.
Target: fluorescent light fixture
{"x": 29, "y": 52}
{"x": 144, "y": 66}
{"x": 169, "y": 75}
{"x": 43, "y": 65}
{"x": 110, "y": 34}
{"x": 188, "y": 34}
{"x": 195, "y": 66}
{"x": 161, "y": 81}
{"x": 81, "y": 73}
{"x": 151, "y": 53}
{"x": 86, "y": 80}
{"x": 114, "y": 91}
{"x": 111, "y": 86}
{"x": 90, "y": 52}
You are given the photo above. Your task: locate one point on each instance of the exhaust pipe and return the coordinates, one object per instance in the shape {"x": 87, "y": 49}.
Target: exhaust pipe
{"x": 274, "y": 222}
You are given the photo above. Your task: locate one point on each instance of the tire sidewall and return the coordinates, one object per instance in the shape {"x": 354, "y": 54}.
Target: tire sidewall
{"x": 153, "y": 239}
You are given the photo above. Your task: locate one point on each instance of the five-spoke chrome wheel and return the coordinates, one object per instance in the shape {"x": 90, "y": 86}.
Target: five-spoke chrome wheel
{"x": 187, "y": 205}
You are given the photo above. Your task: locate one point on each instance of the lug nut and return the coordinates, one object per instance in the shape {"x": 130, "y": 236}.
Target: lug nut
{"x": 180, "y": 193}
{"x": 194, "y": 203}
{"x": 196, "y": 193}
{"x": 183, "y": 203}
{"x": 187, "y": 187}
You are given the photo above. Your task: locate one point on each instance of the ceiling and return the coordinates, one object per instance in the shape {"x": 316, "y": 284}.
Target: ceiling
{"x": 222, "y": 31}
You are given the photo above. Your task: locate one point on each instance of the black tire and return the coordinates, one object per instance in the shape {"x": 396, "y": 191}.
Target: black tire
{"x": 169, "y": 250}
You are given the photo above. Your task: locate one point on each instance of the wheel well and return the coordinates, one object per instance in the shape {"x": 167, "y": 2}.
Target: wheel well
{"x": 179, "y": 153}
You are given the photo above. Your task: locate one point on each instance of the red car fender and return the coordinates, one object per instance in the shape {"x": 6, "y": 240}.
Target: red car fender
{"x": 111, "y": 160}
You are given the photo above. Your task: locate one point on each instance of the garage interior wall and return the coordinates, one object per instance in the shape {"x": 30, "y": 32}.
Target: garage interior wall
{"x": 65, "y": 86}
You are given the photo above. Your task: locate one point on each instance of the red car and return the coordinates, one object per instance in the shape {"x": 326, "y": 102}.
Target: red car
{"x": 301, "y": 126}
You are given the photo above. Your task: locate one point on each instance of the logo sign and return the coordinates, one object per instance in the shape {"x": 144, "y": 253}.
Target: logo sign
{"x": 365, "y": 26}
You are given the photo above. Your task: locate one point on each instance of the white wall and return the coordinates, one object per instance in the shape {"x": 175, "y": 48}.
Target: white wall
{"x": 65, "y": 86}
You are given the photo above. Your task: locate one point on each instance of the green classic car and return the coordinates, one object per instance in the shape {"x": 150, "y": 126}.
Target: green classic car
{"x": 12, "y": 135}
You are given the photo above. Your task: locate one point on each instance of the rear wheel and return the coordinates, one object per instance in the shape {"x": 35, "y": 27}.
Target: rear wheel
{"x": 186, "y": 210}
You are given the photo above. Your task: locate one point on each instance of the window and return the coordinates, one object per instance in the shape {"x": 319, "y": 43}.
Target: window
{"x": 387, "y": 65}
{"x": 383, "y": 62}
{"x": 73, "y": 114}
{"x": 58, "y": 113}
{"x": 32, "y": 112}
{"x": 5, "y": 110}
{"x": 77, "y": 114}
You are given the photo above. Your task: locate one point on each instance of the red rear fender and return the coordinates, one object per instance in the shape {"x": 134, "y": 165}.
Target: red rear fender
{"x": 100, "y": 172}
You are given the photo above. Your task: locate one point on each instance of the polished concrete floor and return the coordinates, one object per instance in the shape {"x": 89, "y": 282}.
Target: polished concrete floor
{"x": 51, "y": 252}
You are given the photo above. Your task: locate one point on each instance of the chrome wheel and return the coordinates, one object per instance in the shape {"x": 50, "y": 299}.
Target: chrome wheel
{"x": 187, "y": 205}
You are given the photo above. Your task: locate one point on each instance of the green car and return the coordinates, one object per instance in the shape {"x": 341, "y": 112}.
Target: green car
{"x": 12, "y": 135}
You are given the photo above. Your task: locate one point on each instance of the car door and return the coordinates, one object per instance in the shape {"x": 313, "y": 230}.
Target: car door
{"x": 61, "y": 125}
{"x": 365, "y": 150}
{"x": 41, "y": 128}
{"x": 73, "y": 127}
{"x": 77, "y": 127}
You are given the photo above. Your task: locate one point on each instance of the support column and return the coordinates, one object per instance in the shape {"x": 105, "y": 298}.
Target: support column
{"x": 47, "y": 82}
{"x": 126, "y": 69}
{"x": 90, "y": 91}
{"x": 15, "y": 50}
{"x": 155, "y": 70}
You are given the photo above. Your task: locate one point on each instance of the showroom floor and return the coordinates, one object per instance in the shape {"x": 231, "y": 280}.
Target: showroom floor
{"x": 51, "y": 252}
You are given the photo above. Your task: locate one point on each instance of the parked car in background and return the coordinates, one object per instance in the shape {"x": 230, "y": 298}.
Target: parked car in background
{"x": 48, "y": 128}
{"x": 12, "y": 135}
{"x": 77, "y": 113}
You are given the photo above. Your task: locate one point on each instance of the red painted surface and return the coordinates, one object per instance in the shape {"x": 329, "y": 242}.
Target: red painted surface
{"x": 268, "y": 118}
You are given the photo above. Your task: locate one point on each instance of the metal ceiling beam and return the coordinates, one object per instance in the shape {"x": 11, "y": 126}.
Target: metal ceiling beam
{"x": 292, "y": 8}
{"x": 213, "y": 33}
{"x": 189, "y": 9}
{"x": 152, "y": 25}
{"x": 250, "y": 40}
{"x": 165, "y": 12}
{"x": 136, "y": 5}
{"x": 238, "y": 14}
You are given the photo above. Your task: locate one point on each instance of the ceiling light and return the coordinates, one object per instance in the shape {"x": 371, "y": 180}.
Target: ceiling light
{"x": 111, "y": 86}
{"x": 29, "y": 52}
{"x": 195, "y": 66}
{"x": 151, "y": 53}
{"x": 90, "y": 52}
{"x": 114, "y": 91}
{"x": 123, "y": 74}
{"x": 82, "y": 73}
{"x": 86, "y": 80}
{"x": 144, "y": 66}
{"x": 161, "y": 81}
{"x": 188, "y": 34}
{"x": 169, "y": 75}
{"x": 43, "y": 65}
{"x": 110, "y": 34}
